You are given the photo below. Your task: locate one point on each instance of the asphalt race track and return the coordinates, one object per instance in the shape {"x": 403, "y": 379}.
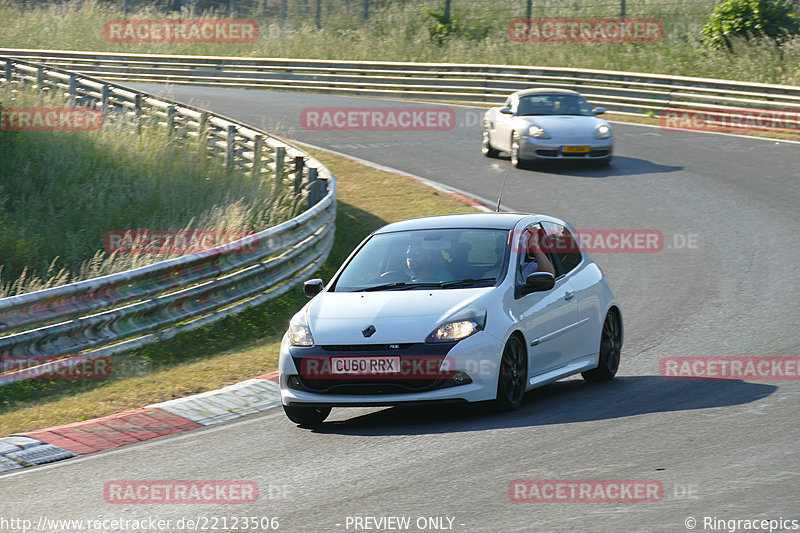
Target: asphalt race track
{"x": 725, "y": 284}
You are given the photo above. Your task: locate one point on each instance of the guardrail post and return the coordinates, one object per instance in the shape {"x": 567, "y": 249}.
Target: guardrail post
{"x": 258, "y": 142}
{"x": 202, "y": 124}
{"x": 39, "y": 78}
{"x": 73, "y": 88}
{"x": 299, "y": 164}
{"x": 137, "y": 110}
{"x": 170, "y": 120}
{"x": 9, "y": 69}
{"x": 280, "y": 158}
{"x": 229, "y": 152}
{"x": 313, "y": 187}
{"x": 104, "y": 100}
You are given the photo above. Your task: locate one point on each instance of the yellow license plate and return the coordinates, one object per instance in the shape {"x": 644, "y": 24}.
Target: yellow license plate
{"x": 575, "y": 149}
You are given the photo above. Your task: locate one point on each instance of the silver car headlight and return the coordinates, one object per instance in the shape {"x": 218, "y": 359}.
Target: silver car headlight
{"x": 299, "y": 332}
{"x": 466, "y": 322}
{"x": 603, "y": 131}
{"x": 539, "y": 133}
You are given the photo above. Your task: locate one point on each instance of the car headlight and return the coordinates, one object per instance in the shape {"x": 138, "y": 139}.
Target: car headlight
{"x": 603, "y": 131}
{"x": 539, "y": 133}
{"x": 466, "y": 322}
{"x": 299, "y": 332}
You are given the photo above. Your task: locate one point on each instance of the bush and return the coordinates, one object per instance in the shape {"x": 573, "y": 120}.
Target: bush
{"x": 749, "y": 19}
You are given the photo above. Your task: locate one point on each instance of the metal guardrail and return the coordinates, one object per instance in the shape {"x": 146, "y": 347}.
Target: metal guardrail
{"x": 119, "y": 312}
{"x": 474, "y": 84}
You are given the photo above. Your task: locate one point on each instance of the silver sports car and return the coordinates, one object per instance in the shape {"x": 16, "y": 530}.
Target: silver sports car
{"x": 539, "y": 124}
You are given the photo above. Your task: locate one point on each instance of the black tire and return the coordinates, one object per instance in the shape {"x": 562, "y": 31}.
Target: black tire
{"x": 512, "y": 377}
{"x": 486, "y": 146}
{"x": 515, "y": 159}
{"x": 610, "y": 348}
{"x": 307, "y": 417}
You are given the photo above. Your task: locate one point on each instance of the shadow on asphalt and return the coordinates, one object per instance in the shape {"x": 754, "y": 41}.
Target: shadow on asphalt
{"x": 562, "y": 402}
{"x": 620, "y": 166}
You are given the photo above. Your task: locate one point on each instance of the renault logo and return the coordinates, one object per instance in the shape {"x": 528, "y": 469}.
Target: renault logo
{"x": 368, "y": 331}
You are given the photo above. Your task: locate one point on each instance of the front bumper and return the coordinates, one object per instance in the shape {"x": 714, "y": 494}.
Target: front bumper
{"x": 477, "y": 356}
{"x": 533, "y": 148}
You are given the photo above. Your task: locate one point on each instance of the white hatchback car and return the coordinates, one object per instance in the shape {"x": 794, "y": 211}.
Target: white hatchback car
{"x": 455, "y": 308}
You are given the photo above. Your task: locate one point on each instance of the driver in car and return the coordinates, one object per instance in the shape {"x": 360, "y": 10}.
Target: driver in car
{"x": 534, "y": 259}
{"x": 420, "y": 261}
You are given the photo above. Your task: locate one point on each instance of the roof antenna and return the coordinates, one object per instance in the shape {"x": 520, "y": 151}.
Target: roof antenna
{"x": 500, "y": 196}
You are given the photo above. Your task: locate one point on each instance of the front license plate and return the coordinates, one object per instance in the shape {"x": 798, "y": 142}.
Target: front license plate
{"x": 575, "y": 149}
{"x": 360, "y": 366}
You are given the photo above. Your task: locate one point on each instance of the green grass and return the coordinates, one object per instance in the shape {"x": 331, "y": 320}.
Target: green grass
{"x": 60, "y": 192}
{"x": 239, "y": 347}
{"x": 403, "y": 32}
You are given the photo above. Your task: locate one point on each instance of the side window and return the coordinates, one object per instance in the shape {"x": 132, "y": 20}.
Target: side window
{"x": 533, "y": 257}
{"x": 564, "y": 247}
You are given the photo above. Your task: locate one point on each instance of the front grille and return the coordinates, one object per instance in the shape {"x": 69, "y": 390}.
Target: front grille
{"x": 419, "y": 368}
{"x": 365, "y": 347}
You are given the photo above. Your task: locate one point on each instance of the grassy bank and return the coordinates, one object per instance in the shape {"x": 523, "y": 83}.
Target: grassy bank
{"x": 403, "y": 31}
{"x": 61, "y": 192}
{"x": 239, "y": 347}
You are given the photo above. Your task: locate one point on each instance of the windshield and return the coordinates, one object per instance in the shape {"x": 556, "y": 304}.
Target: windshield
{"x": 554, "y": 104}
{"x": 442, "y": 258}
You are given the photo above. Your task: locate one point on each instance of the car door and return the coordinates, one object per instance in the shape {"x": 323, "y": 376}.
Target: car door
{"x": 585, "y": 277}
{"x": 547, "y": 318}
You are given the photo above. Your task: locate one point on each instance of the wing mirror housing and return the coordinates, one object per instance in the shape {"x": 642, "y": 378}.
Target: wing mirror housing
{"x": 598, "y": 110}
{"x": 506, "y": 110}
{"x": 539, "y": 282}
{"x": 312, "y": 287}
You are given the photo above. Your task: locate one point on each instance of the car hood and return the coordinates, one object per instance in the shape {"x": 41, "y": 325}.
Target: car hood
{"x": 398, "y": 316}
{"x": 565, "y": 125}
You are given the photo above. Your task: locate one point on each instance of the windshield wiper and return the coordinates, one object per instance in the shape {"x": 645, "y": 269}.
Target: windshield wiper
{"x": 383, "y": 287}
{"x": 465, "y": 282}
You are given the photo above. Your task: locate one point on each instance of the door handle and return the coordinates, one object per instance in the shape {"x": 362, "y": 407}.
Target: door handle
{"x": 568, "y": 295}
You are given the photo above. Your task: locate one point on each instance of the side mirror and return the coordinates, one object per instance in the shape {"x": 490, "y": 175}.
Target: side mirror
{"x": 505, "y": 110}
{"x": 539, "y": 282}
{"x": 312, "y": 287}
{"x": 598, "y": 110}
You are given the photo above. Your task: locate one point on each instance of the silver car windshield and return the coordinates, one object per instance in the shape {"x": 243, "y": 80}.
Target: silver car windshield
{"x": 424, "y": 259}
{"x": 554, "y": 104}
